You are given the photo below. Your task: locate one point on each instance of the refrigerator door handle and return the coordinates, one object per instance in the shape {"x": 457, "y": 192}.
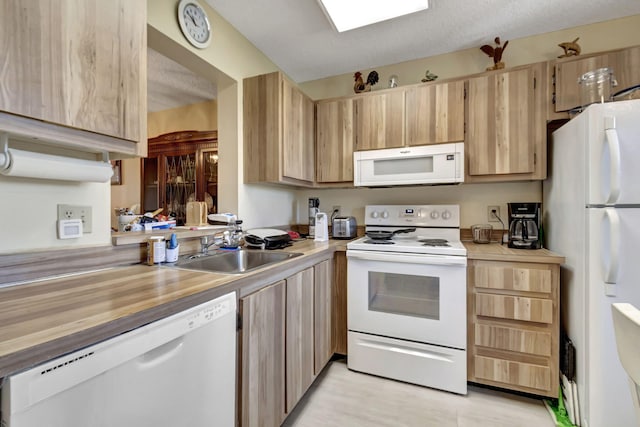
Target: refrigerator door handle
{"x": 611, "y": 275}
{"x": 614, "y": 152}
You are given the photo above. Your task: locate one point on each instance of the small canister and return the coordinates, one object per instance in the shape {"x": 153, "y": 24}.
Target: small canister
{"x": 156, "y": 250}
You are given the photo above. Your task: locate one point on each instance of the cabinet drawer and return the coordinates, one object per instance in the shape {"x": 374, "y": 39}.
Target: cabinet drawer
{"x": 513, "y": 373}
{"x": 511, "y": 278}
{"x": 513, "y": 339}
{"x": 517, "y": 308}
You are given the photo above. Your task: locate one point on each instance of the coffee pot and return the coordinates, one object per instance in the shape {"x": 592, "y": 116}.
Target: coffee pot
{"x": 525, "y": 226}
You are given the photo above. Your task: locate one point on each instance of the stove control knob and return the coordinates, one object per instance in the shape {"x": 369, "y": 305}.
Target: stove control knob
{"x": 446, "y": 215}
{"x": 374, "y": 214}
{"x": 385, "y": 214}
{"x": 434, "y": 214}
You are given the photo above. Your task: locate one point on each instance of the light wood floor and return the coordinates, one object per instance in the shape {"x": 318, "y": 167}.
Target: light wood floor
{"x": 350, "y": 399}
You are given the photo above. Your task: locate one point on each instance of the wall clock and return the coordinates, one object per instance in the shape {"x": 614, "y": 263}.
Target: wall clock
{"x": 194, "y": 23}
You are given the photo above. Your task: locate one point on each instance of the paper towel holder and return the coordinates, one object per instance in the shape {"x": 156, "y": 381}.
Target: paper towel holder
{"x": 73, "y": 169}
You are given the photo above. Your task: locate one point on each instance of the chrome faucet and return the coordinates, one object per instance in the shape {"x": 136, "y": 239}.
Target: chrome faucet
{"x": 217, "y": 239}
{"x": 232, "y": 237}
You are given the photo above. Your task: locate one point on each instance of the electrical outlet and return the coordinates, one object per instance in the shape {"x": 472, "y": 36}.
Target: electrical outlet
{"x": 336, "y": 208}
{"x": 83, "y": 213}
{"x": 490, "y": 216}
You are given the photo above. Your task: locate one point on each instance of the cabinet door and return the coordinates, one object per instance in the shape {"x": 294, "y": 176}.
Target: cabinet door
{"x": 297, "y": 144}
{"x": 81, "y": 64}
{"x": 340, "y": 303}
{"x": 435, "y": 113}
{"x": 500, "y": 136}
{"x": 323, "y": 286}
{"x": 567, "y": 74}
{"x": 380, "y": 120}
{"x": 627, "y": 68}
{"x": 263, "y": 357}
{"x": 299, "y": 336}
{"x": 334, "y": 141}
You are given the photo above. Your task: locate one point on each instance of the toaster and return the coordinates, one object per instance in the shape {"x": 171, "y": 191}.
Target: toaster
{"x": 343, "y": 227}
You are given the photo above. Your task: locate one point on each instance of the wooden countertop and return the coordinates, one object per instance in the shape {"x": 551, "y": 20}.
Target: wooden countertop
{"x": 498, "y": 252}
{"x": 46, "y": 319}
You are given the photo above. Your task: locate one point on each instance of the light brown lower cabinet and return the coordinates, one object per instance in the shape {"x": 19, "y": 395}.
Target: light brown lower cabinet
{"x": 339, "y": 335}
{"x": 323, "y": 313}
{"x": 513, "y": 325}
{"x": 286, "y": 341}
{"x": 263, "y": 368}
{"x": 299, "y": 340}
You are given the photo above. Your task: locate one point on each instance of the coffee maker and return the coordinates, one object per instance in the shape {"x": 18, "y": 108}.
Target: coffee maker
{"x": 525, "y": 226}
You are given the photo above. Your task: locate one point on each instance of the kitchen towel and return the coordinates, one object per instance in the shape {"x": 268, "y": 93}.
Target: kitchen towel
{"x": 45, "y": 166}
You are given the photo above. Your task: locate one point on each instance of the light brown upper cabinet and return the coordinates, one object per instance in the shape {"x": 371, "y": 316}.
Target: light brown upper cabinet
{"x": 380, "y": 120}
{"x": 505, "y": 126}
{"x": 625, "y": 64}
{"x": 334, "y": 140}
{"x": 72, "y": 67}
{"x": 278, "y": 132}
{"x": 435, "y": 113}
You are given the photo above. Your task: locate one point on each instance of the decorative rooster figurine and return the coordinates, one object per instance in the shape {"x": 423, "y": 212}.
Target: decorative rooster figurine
{"x": 495, "y": 53}
{"x": 360, "y": 85}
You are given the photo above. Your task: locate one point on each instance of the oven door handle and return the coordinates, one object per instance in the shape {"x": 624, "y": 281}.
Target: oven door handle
{"x": 425, "y": 259}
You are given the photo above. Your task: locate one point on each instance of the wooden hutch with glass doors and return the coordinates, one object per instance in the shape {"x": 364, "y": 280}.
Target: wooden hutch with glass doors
{"x": 181, "y": 167}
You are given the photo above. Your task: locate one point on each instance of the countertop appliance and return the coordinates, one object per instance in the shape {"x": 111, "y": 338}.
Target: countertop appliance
{"x": 406, "y": 297}
{"x": 267, "y": 238}
{"x": 176, "y": 371}
{"x": 525, "y": 225}
{"x": 344, "y": 227}
{"x": 426, "y": 164}
{"x": 591, "y": 214}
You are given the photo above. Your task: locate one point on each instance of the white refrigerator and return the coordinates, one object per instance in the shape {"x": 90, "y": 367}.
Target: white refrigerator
{"x": 592, "y": 216}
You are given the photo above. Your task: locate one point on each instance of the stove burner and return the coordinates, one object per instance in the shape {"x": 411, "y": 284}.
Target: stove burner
{"x": 435, "y": 242}
{"x": 379, "y": 242}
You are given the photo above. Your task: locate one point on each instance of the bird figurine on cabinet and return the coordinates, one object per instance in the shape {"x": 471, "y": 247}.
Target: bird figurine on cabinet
{"x": 495, "y": 53}
{"x": 360, "y": 85}
{"x": 570, "y": 48}
{"x": 429, "y": 77}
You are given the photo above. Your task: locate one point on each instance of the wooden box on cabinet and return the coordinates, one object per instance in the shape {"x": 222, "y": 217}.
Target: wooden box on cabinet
{"x": 77, "y": 66}
{"x": 181, "y": 167}
{"x": 278, "y": 132}
{"x": 625, "y": 64}
{"x": 513, "y": 325}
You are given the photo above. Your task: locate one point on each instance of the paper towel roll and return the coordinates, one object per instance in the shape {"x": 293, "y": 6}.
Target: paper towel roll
{"x": 45, "y": 166}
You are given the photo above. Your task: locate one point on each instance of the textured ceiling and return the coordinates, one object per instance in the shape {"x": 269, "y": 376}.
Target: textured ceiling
{"x": 296, "y": 35}
{"x": 170, "y": 85}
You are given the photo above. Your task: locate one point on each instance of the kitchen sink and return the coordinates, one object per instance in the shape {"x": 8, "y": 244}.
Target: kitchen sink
{"x": 234, "y": 262}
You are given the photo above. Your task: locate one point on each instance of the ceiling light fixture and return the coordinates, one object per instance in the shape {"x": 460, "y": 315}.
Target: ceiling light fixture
{"x": 349, "y": 14}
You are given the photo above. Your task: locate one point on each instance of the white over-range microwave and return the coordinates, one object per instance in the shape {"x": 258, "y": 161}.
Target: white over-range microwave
{"x": 427, "y": 164}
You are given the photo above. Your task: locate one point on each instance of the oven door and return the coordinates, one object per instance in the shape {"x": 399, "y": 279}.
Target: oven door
{"x": 415, "y": 297}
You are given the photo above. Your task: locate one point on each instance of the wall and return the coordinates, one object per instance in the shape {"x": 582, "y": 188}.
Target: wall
{"x": 597, "y": 37}
{"x": 227, "y": 61}
{"x": 202, "y": 116}
{"x": 473, "y": 198}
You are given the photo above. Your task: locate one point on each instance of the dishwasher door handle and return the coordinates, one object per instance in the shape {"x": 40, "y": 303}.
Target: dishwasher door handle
{"x": 161, "y": 354}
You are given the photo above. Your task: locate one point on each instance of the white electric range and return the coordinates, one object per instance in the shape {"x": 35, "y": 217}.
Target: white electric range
{"x": 407, "y": 310}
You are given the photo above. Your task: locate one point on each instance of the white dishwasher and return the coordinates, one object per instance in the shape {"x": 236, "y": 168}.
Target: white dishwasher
{"x": 177, "y": 371}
